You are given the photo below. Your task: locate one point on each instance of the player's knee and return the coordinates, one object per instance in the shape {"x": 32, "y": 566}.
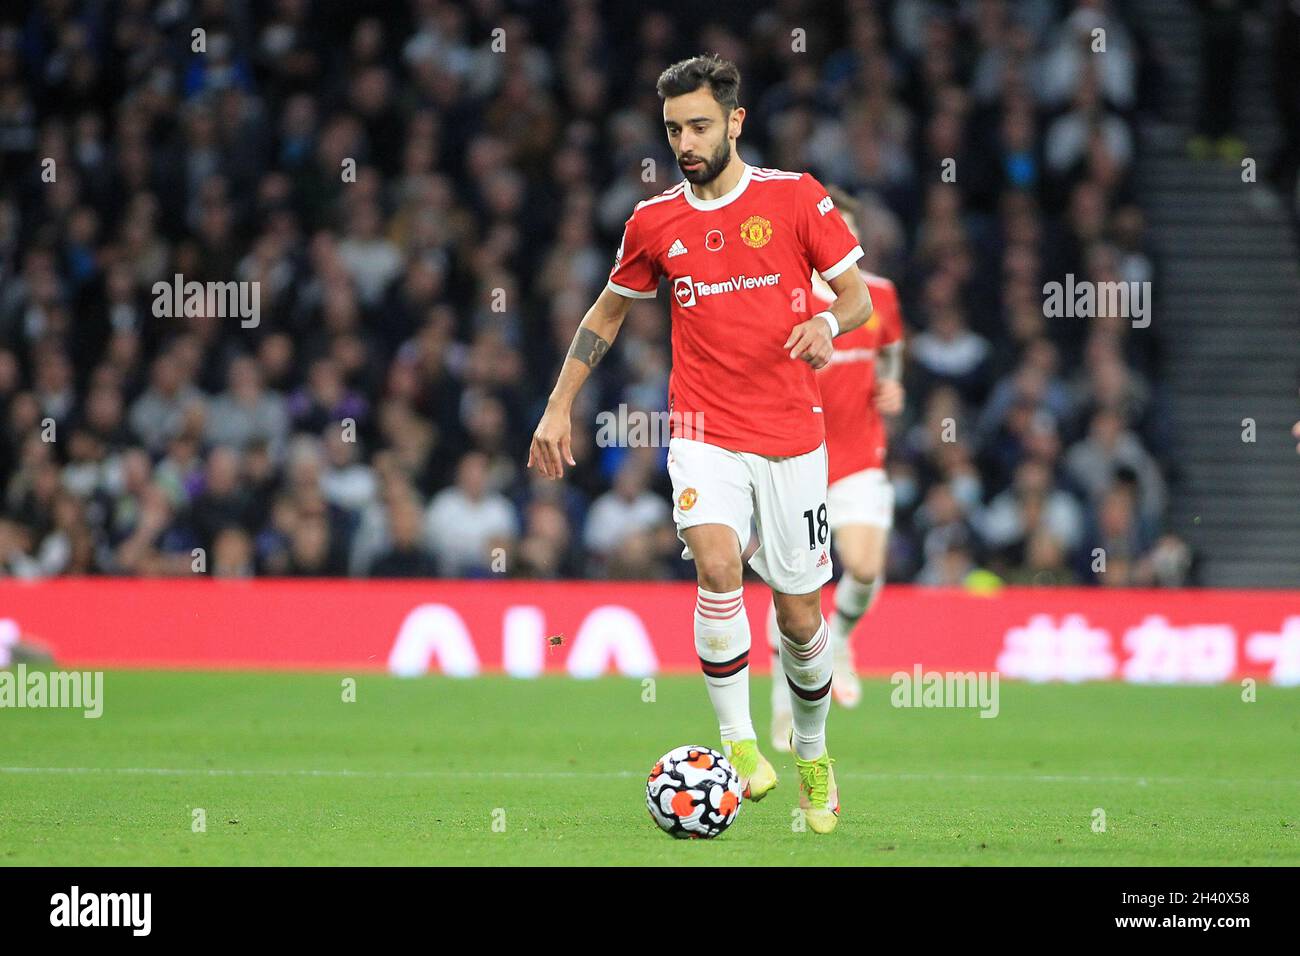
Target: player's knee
{"x": 799, "y": 623}
{"x": 861, "y": 561}
{"x": 718, "y": 573}
{"x": 864, "y": 570}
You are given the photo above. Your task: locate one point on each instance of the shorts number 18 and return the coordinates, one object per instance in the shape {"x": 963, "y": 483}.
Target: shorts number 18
{"x": 818, "y": 534}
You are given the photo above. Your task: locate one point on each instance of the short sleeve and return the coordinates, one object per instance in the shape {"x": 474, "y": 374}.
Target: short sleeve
{"x": 831, "y": 248}
{"x": 634, "y": 274}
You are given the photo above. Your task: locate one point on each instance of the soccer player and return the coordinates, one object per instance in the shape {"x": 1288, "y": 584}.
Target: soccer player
{"x": 862, "y": 382}
{"x": 738, "y": 245}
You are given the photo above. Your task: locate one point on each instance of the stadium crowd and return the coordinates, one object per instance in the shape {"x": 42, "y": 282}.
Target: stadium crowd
{"x": 376, "y": 419}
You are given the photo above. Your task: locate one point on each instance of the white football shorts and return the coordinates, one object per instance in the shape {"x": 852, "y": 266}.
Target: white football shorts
{"x": 785, "y": 497}
{"x": 864, "y": 498}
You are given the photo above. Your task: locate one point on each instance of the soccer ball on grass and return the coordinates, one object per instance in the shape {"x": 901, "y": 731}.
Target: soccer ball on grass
{"x": 693, "y": 793}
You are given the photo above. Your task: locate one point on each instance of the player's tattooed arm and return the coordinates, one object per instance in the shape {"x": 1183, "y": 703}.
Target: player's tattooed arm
{"x": 551, "y": 448}
{"x": 588, "y": 347}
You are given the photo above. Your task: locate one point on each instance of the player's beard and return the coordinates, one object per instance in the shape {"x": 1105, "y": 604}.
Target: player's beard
{"x": 710, "y": 166}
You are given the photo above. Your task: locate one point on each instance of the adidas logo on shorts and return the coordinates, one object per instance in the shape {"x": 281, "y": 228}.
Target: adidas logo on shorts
{"x": 823, "y": 560}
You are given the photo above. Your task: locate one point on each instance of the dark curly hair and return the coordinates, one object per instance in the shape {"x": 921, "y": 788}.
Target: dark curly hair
{"x": 687, "y": 76}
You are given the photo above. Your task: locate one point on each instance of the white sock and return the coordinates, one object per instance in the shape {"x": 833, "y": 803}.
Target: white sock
{"x": 722, "y": 643}
{"x": 780, "y": 691}
{"x": 853, "y": 598}
{"x": 808, "y": 674}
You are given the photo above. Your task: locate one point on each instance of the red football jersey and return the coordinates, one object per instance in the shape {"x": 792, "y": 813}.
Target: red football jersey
{"x": 855, "y": 431}
{"x": 741, "y": 268}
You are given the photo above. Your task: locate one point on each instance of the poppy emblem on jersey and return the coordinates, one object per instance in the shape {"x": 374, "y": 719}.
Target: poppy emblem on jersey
{"x": 756, "y": 231}
{"x": 713, "y": 240}
{"x": 686, "y": 500}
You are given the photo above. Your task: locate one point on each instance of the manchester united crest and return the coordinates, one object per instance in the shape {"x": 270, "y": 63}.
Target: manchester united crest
{"x": 686, "y": 500}
{"x": 755, "y": 232}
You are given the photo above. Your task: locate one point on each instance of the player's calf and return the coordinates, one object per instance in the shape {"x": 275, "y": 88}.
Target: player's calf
{"x": 806, "y": 661}
{"x": 854, "y": 596}
{"x": 860, "y": 550}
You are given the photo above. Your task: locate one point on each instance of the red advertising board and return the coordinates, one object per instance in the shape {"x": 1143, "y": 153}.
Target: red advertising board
{"x": 588, "y": 628}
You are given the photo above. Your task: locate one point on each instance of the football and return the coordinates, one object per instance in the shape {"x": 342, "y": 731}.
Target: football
{"x": 693, "y": 793}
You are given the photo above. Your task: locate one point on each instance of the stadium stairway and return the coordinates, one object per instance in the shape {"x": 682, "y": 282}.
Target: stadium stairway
{"x": 1227, "y": 306}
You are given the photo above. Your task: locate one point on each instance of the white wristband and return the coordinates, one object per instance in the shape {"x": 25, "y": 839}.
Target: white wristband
{"x": 833, "y": 322}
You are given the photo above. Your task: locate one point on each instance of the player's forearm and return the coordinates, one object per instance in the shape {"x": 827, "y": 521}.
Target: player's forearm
{"x": 889, "y": 362}
{"x": 595, "y": 335}
{"x": 852, "y": 306}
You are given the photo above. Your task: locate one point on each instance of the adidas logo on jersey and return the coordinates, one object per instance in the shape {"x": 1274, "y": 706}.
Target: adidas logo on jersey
{"x": 678, "y": 248}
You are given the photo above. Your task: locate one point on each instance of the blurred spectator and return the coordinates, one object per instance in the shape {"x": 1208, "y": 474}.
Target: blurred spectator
{"x": 158, "y": 415}
{"x": 232, "y": 554}
{"x": 246, "y": 413}
{"x": 951, "y": 353}
{"x": 629, "y": 509}
{"x": 464, "y": 521}
{"x": 1044, "y": 563}
{"x": 347, "y": 482}
{"x": 1110, "y": 451}
{"x": 1031, "y": 504}
{"x": 545, "y": 550}
{"x": 224, "y": 501}
{"x": 1119, "y": 538}
{"x": 406, "y": 557}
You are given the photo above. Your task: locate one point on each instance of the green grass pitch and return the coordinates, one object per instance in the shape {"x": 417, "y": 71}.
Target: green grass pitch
{"x": 419, "y": 771}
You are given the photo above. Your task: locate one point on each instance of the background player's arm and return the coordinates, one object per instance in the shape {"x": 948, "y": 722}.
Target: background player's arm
{"x": 889, "y": 362}
{"x": 889, "y": 379}
{"x": 551, "y": 441}
{"x": 811, "y": 340}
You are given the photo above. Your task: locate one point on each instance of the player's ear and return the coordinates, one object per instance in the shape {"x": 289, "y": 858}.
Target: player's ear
{"x": 735, "y": 121}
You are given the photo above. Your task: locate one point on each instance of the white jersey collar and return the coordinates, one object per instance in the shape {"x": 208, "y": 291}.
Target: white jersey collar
{"x": 729, "y": 196}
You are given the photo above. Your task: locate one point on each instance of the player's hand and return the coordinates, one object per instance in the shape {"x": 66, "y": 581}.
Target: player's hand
{"x": 889, "y": 397}
{"x": 811, "y": 341}
{"x": 550, "y": 448}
